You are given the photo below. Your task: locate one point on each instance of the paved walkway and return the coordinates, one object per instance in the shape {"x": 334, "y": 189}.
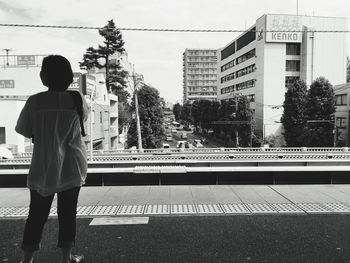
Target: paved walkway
{"x": 296, "y": 223}
{"x": 194, "y": 200}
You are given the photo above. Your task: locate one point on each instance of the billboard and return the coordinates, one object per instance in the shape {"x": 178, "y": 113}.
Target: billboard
{"x": 26, "y": 60}
{"x": 7, "y": 84}
{"x": 282, "y": 28}
{"x": 77, "y": 83}
{"x": 90, "y": 84}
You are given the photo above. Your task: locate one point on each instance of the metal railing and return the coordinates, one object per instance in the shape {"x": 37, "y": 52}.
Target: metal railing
{"x": 211, "y": 150}
{"x": 197, "y": 155}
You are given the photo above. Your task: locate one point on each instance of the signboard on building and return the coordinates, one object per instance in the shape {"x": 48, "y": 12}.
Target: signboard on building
{"x": 77, "y": 83}
{"x": 26, "y": 60}
{"x": 90, "y": 84}
{"x": 7, "y": 84}
{"x": 283, "y": 28}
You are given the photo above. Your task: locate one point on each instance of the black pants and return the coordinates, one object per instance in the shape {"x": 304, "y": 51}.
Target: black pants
{"x": 39, "y": 211}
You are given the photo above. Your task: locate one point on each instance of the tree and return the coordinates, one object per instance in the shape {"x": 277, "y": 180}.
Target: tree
{"x": 347, "y": 69}
{"x": 320, "y": 107}
{"x": 186, "y": 113}
{"x": 293, "y": 117}
{"x": 151, "y": 119}
{"x": 195, "y": 113}
{"x": 245, "y": 114}
{"x": 100, "y": 58}
{"x": 204, "y": 108}
{"x": 177, "y": 111}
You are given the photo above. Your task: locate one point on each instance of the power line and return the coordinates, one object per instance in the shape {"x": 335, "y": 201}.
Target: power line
{"x": 172, "y": 30}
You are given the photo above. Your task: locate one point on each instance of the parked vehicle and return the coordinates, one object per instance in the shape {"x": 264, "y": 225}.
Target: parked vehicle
{"x": 183, "y": 135}
{"x": 198, "y": 144}
{"x": 204, "y": 140}
{"x": 180, "y": 144}
{"x": 166, "y": 146}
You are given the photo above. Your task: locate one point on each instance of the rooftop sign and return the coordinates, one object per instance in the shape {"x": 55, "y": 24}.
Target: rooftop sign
{"x": 286, "y": 28}
{"x": 26, "y": 60}
{"x": 7, "y": 84}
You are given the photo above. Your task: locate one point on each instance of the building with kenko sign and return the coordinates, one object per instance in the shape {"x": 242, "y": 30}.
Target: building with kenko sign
{"x": 277, "y": 50}
{"x": 19, "y": 78}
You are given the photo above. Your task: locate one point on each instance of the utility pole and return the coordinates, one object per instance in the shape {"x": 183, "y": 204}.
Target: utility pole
{"x": 236, "y": 102}
{"x": 138, "y": 126}
{"x": 297, "y": 7}
{"x": 91, "y": 128}
{"x": 7, "y": 50}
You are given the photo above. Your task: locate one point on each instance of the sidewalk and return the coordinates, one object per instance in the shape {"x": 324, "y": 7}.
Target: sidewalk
{"x": 194, "y": 200}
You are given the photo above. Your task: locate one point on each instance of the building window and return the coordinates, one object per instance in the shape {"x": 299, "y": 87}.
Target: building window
{"x": 290, "y": 80}
{"x": 246, "y": 38}
{"x": 341, "y": 122}
{"x": 245, "y": 71}
{"x": 293, "y": 65}
{"x": 228, "y": 89}
{"x": 228, "y": 65}
{"x": 228, "y": 51}
{"x": 341, "y": 99}
{"x": 228, "y": 77}
{"x": 245, "y": 56}
{"x": 246, "y": 85}
{"x": 293, "y": 49}
{"x": 2, "y": 135}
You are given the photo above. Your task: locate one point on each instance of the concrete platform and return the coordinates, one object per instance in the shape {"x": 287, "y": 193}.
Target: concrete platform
{"x": 193, "y": 200}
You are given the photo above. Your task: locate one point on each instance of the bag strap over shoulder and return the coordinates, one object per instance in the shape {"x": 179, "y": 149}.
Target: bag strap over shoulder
{"x": 79, "y": 105}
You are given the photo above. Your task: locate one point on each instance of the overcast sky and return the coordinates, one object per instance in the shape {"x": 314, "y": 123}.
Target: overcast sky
{"x": 156, "y": 55}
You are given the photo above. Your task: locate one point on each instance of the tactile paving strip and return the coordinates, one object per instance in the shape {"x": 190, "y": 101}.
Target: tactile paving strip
{"x": 6, "y": 210}
{"x": 157, "y": 210}
{"x": 235, "y": 209}
{"x": 53, "y": 211}
{"x": 19, "y": 212}
{"x": 104, "y": 210}
{"x": 84, "y": 210}
{"x": 131, "y": 210}
{"x": 337, "y": 207}
{"x": 208, "y": 209}
{"x": 261, "y": 209}
{"x": 287, "y": 209}
{"x": 313, "y": 208}
{"x": 183, "y": 209}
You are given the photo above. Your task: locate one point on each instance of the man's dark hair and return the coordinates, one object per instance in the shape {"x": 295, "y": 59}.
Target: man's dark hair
{"x": 58, "y": 72}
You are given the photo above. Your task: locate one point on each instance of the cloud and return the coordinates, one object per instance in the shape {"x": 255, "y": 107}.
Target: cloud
{"x": 15, "y": 13}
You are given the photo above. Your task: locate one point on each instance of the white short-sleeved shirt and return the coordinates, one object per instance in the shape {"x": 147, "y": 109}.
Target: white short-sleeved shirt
{"x": 59, "y": 160}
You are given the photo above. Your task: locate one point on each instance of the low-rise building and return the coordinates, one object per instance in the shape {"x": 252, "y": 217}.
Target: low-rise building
{"x": 342, "y": 98}
{"x": 19, "y": 78}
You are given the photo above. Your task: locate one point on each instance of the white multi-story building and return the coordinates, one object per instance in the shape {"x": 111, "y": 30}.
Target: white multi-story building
{"x": 277, "y": 50}
{"x": 199, "y": 74}
{"x": 19, "y": 78}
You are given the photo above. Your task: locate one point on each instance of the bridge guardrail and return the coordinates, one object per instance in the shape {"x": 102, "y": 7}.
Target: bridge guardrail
{"x": 209, "y": 150}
